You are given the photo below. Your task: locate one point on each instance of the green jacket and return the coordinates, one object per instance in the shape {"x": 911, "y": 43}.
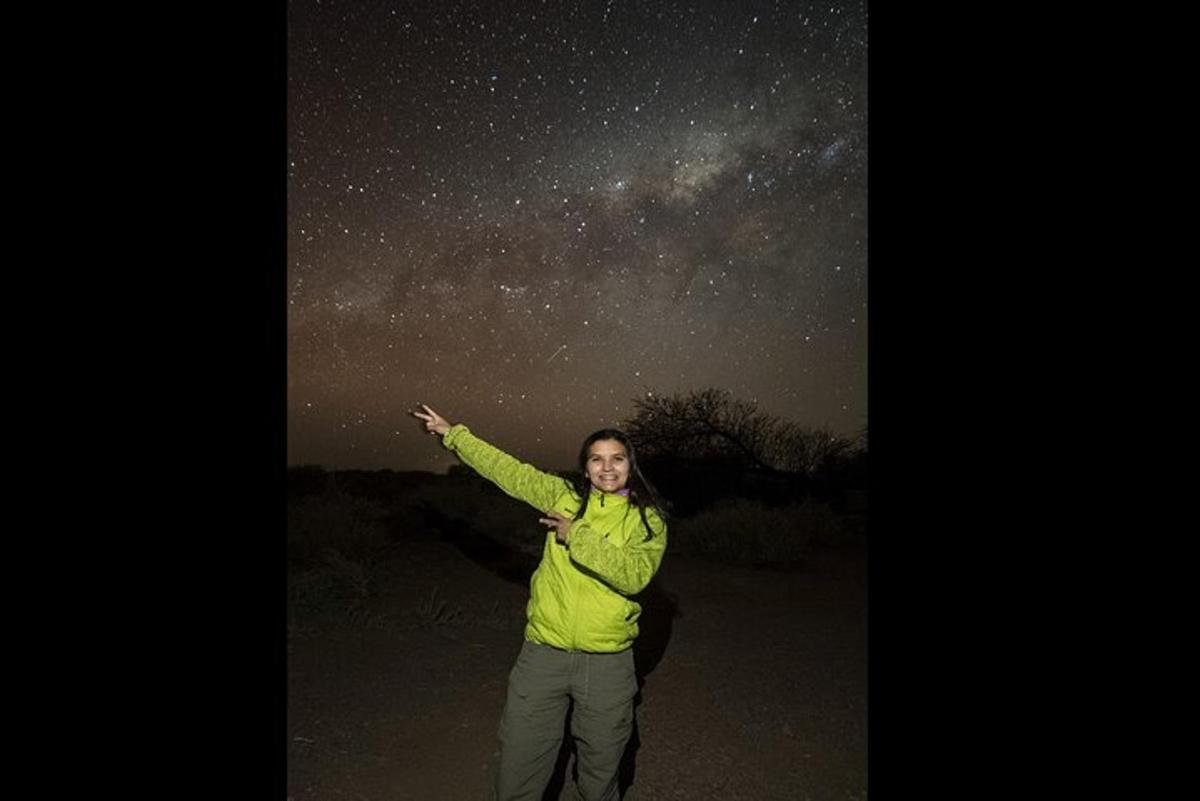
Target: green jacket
{"x": 579, "y": 594}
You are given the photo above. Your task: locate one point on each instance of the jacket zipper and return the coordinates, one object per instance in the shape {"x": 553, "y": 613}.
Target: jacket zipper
{"x": 578, "y": 597}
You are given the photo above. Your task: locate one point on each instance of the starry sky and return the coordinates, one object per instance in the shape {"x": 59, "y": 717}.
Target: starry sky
{"x": 528, "y": 214}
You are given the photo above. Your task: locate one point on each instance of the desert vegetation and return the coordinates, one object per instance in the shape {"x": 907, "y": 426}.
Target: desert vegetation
{"x": 743, "y": 487}
{"x": 406, "y": 607}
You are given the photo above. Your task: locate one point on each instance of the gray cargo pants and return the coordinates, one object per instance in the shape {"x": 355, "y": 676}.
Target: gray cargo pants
{"x": 540, "y": 687}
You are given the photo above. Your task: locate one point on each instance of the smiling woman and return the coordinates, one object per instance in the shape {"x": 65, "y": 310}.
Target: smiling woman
{"x": 606, "y": 539}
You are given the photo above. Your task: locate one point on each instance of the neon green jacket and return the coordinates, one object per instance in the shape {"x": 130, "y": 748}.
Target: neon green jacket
{"x": 579, "y": 593}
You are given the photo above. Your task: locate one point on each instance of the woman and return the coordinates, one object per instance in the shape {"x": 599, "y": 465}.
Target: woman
{"x": 605, "y": 541}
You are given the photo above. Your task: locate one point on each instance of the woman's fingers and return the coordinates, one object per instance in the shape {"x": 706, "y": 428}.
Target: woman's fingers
{"x": 431, "y": 422}
{"x": 430, "y": 416}
{"x": 434, "y": 422}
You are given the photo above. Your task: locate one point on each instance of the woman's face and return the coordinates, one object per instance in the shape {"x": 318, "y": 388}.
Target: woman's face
{"x": 607, "y": 465}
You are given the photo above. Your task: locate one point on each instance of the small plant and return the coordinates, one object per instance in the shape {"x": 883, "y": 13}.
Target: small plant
{"x": 350, "y": 575}
{"x": 495, "y": 616}
{"x": 336, "y": 585}
{"x": 434, "y": 611}
{"x": 333, "y": 520}
{"x": 749, "y": 532}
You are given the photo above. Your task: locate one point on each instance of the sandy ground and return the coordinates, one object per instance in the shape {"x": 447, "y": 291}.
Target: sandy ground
{"x": 754, "y": 684}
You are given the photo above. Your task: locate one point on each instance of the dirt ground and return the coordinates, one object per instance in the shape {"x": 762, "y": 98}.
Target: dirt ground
{"x": 754, "y": 684}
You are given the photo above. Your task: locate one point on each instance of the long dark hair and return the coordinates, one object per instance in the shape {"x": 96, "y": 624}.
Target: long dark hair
{"x": 641, "y": 492}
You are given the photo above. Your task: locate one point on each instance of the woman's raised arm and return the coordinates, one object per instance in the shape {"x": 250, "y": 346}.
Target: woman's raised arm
{"x": 522, "y": 481}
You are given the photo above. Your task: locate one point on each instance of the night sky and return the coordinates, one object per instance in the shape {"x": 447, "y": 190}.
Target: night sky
{"x": 527, "y": 214}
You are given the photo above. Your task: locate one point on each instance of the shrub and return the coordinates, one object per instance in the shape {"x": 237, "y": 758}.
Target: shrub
{"x": 750, "y": 532}
{"x": 335, "y": 584}
{"x": 334, "y": 521}
{"x": 435, "y": 611}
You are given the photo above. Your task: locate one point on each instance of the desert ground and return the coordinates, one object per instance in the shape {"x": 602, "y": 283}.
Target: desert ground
{"x": 753, "y": 680}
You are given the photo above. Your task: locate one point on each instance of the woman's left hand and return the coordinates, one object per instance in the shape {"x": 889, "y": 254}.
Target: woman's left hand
{"x": 557, "y": 521}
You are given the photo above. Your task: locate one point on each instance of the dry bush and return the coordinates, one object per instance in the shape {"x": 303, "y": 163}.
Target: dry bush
{"x": 335, "y": 584}
{"x": 334, "y": 520}
{"x": 750, "y": 532}
{"x": 335, "y": 541}
{"x": 436, "y": 611}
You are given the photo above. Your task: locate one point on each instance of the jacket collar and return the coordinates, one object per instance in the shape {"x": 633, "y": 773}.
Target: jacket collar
{"x": 608, "y": 497}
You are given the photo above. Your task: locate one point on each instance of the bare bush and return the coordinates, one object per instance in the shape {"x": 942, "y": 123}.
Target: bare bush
{"x": 750, "y": 532}
{"x": 712, "y": 424}
{"x": 435, "y": 611}
{"x": 335, "y": 584}
{"x": 336, "y": 521}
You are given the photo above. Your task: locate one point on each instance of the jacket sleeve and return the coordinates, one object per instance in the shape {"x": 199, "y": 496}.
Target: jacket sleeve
{"x": 627, "y": 568}
{"x": 522, "y": 481}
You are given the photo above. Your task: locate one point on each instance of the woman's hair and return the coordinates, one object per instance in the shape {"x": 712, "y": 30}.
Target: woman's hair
{"x": 641, "y": 492}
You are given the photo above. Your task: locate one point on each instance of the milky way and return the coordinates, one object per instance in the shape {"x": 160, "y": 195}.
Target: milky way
{"x": 529, "y": 214}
